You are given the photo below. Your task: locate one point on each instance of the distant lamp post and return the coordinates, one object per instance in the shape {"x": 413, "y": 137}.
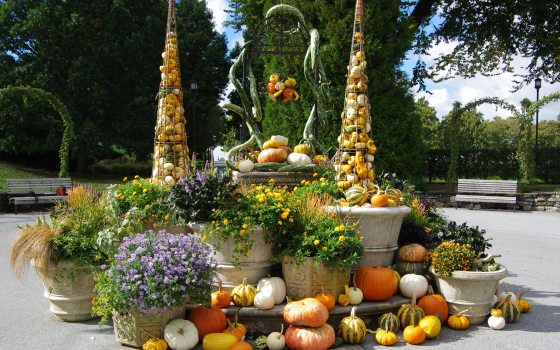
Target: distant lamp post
{"x": 194, "y": 87}
{"x": 538, "y": 83}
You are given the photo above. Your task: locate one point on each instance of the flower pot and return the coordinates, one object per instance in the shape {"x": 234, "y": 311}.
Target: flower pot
{"x": 306, "y": 280}
{"x": 253, "y": 267}
{"x": 290, "y": 179}
{"x": 134, "y": 328}
{"x": 380, "y": 228}
{"x": 69, "y": 289}
{"x": 470, "y": 289}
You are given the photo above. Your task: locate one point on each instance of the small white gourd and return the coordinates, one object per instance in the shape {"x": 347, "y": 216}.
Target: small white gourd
{"x": 299, "y": 158}
{"x": 264, "y": 301}
{"x": 503, "y": 295}
{"x": 168, "y": 166}
{"x": 245, "y": 166}
{"x": 170, "y": 180}
{"x": 276, "y": 340}
{"x": 355, "y": 295}
{"x": 413, "y": 284}
{"x": 496, "y": 322}
{"x": 282, "y": 140}
{"x": 275, "y": 286}
{"x": 181, "y": 334}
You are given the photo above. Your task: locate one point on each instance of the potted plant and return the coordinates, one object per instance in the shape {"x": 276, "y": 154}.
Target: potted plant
{"x": 466, "y": 280}
{"x": 64, "y": 252}
{"x": 320, "y": 250}
{"x": 149, "y": 280}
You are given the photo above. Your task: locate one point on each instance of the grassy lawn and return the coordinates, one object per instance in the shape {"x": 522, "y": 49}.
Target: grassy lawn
{"x": 13, "y": 171}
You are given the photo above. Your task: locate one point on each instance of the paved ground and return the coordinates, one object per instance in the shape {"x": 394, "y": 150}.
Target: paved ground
{"x": 528, "y": 241}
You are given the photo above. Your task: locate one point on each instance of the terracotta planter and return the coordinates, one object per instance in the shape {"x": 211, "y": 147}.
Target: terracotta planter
{"x": 470, "y": 289}
{"x": 135, "y": 328}
{"x": 306, "y": 280}
{"x": 253, "y": 267}
{"x": 69, "y": 289}
{"x": 380, "y": 228}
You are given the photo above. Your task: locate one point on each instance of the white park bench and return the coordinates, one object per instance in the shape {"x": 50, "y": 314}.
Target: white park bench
{"x": 36, "y": 191}
{"x": 487, "y": 191}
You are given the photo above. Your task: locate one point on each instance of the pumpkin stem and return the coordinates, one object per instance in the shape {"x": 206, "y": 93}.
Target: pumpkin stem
{"x": 219, "y": 285}
{"x": 430, "y": 290}
{"x": 354, "y": 280}
{"x": 466, "y": 310}
{"x": 322, "y": 290}
{"x": 235, "y": 316}
{"x": 520, "y": 294}
{"x": 353, "y": 312}
{"x": 281, "y": 330}
{"x": 244, "y": 281}
{"x": 413, "y": 301}
{"x": 506, "y": 287}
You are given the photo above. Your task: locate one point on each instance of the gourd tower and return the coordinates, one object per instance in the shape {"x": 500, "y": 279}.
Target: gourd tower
{"x": 170, "y": 140}
{"x": 356, "y": 150}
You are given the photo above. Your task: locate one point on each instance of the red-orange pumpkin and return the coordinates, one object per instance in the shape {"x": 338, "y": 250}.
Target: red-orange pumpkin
{"x": 434, "y": 304}
{"x": 308, "y": 312}
{"x": 274, "y": 155}
{"x": 221, "y": 298}
{"x": 241, "y": 346}
{"x": 377, "y": 283}
{"x": 413, "y": 252}
{"x": 326, "y": 299}
{"x": 208, "y": 320}
{"x": 303, "y": 338}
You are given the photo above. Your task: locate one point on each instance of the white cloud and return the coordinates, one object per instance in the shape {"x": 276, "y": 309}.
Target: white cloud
{"x": 218, "y": 8}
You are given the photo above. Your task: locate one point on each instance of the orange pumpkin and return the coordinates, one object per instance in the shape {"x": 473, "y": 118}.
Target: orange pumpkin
{"x": 308, "y": 312}
{"x": 326, "y": 299}
{"x": 286, "y": 148}
{"x": 221, "y": 298}
{"x": 271, "y": 88}
{"x": 413, "y": 252}
{"x": 379, "y": 199}
{"x": 274, "y": 155}
{"x": 377, "y": 283}
{"x": 241, "y": 346}
{"x": 303, "y": 338}
{"x": 434, "y": 304}
{"x": 414, "y": 335}
{"x": 208, "y": 320}
{"x": 236, "y": 331}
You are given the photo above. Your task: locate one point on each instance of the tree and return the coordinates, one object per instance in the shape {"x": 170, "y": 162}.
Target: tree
{"x": 431, "y": 126}
{"x": 101, "y": 59}
{"x": 501, "y": 133}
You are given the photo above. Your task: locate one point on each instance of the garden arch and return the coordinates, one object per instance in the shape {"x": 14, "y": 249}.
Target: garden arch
{"x": 60, "y": 108}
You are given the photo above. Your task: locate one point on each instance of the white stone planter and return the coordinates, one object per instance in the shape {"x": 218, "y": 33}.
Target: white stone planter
{"x": 380, "y": 228}
{"x": 470, "y": 289}
{"x": 253, "y": 267}
{"x": 69, "y": 289}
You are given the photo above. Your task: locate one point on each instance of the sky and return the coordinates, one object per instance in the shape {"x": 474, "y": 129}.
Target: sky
{"x": 442, "y": 95}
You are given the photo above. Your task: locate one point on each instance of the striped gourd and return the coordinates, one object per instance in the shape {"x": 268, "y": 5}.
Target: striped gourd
{"x": 356, "y": 195}
{"x": 389, "y": 322}
{"x": 352, "y": 329}
{"x": 243, "y": 294}
{"x": 410, "y": 314}
{"x": 509, "y": 309}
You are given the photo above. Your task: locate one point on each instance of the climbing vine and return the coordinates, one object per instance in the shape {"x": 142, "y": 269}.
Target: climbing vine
{"x": 59, "y": 107}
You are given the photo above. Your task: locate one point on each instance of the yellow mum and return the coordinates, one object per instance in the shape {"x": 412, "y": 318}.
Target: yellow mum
{"x": 341, "y": 238}
{"x": 145, "y": 190}
{"x": 325, "y": 248}
{"x": 316, "y": 242}
{"x": 226, "y": 221}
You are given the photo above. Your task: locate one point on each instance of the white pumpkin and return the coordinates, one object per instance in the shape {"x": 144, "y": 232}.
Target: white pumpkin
{"x": 275, "y": 286}
{"x": 282, "y": 140}
{"x": 181, "y": 334}
{"x": 276, "y": 340}
{"x": 503, "y": 295}
{"x": 368, "y": 127}
{"x": 496, "y": 322}
{"x": 168, "y": 166}
{"x": 299, "y": 158}
{"x": 264, "y": 300}
{"x": 355, "y": 295}
{"x": 413, "y": 284}
{"x": 170, "y": 180}
{"x": 245, "y": 166}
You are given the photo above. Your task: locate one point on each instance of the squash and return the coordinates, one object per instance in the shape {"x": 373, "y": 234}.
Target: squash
{"x": 352, "y": 328}
{"x": 503, "y": 295}
{"x": 355, "y": 295}
{"x": 377, "y": 283}
{"x": 304, "y": 338}
{"x": 221, "y": 298}
{"x": 523, "y": 304}
{"x": 299, "y": 158}
{"x": 431, "y": 326}
{"x": 238, "y": 325}
{"x": 414, "y": 335}
{"x": 245, "y": 166}
{"x": 156, "y": 344}
{"x": 276, "y": 286}
{"x": 413, "y": 252}
{"x": 509, "y": 309}
{"x": 458, "y": 321}
{"x": 410, "y": 313}
{"x": 243, "y": 294}
{"x": 241, "y": 346}
{"x": 385, "y": 337}
{"x": 326, "y": 299}
{"x": 275, "y": 340}
{"x": 308, "y": 312}
{"x": 434, "y": 304}
{"x": 218, "y": 341}
{"x": 272, "y": 155}
{"x": 180, "y": 335}
{"x": 389, "y": 322}
{"x": 238, "y": 332}
{"x": 282, "y": 140}
{"x": 208, "y": 320}
{"x": 496, "y": 322}
{"x": 343, "y": 299}
{"x": 355, "y": 195}
{"x": 270, "y": 144}
{"x": 303, "y": 148}
{"x": 264, "y": 300}
{"x": 412, "y": 284}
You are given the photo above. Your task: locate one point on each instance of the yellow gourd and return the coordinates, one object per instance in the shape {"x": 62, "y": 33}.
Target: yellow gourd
{"x": 243, "y": 294}
{"x": 270, "y": 144}
{"x": 155, "y": 344}
{"x": 218, "y": 341}
{"x": 523, "y": 304}
{"x": 458, "y": 321}
{"x": 303, "y": 148}
{"x": 352, "y": 328}
{"x": 431, "y": 326}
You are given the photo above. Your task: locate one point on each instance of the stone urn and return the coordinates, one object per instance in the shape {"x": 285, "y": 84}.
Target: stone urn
{"x": 380, "y": 228}
{"x": 473, "y": 290}
{"x": 134, "y": 328}
{"x": 69, "y": 288}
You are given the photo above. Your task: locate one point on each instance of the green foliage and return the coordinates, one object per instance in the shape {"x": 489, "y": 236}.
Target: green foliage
{"x": 452, "y": 256}
{"x": 462, "y": 234}
{"x": 431, "y": 128}
{"x": 121, "y": 167}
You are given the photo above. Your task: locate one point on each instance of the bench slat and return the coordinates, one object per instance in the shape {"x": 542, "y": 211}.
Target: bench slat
{"x": 486, "y": 199}
{"x": 37, "y": 185}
